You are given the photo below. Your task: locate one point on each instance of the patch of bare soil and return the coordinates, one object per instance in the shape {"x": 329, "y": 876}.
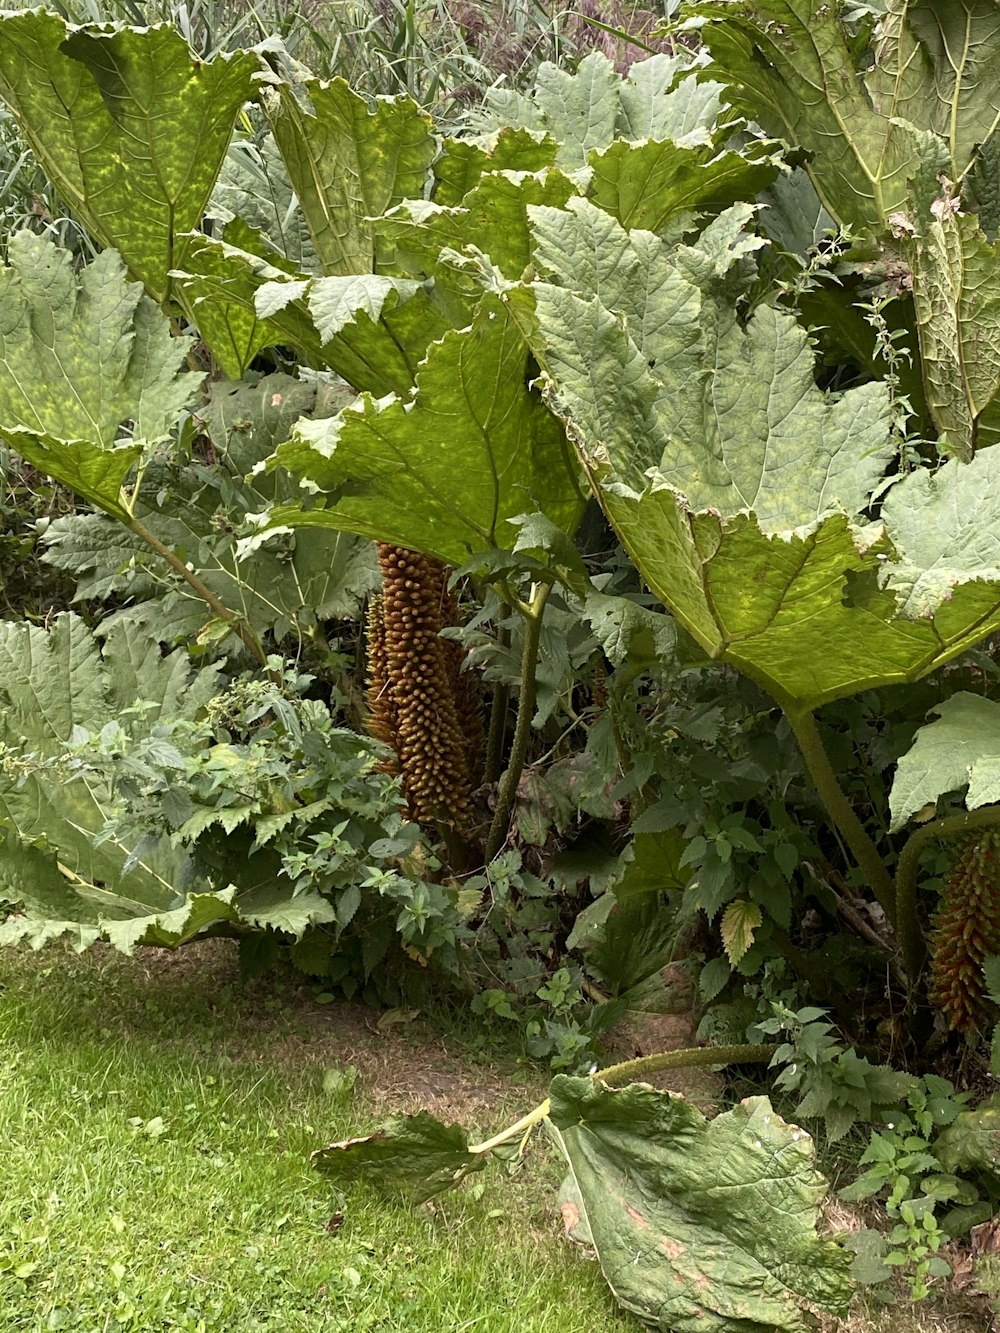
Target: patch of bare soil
{"x": 403, "y": 1066}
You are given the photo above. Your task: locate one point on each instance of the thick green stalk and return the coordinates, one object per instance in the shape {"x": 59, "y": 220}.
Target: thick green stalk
{"x": 532, "y": 613}
{"x": 842, "y": 813}
{"x": 646, "y": 1064}
{"x": 240, "y": 627}
{"x": 911, "y": 937}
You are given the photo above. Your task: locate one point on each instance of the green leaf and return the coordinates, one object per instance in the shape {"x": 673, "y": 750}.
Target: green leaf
{"x": 700, "y": 1226}
{"x": 962, "y": 748}
{"x": 592, "y": 106}
{"x": 415, "y": 1155}
{"x": 253, "y": 186}
{"x": 714, "y": 976}
{"x": 51, "y": 682}
{"x": 128, "y": 125}
{"x": 648, "y": 184}
{"x": 349, "y": 161}
{"x": 972, "y": 1142}
{"x": 463, "y": 162}
{"x": 956, "y": 293}
{"x": 629, "y": 632}
{"x": 991, "y": 973}
{"x": 733, "y": 479}
{"x": 936, "y": 68}
{"x": 443, "y": 472}
{"x": 79, "y": 356}
{"x": 788, "y": 67}
{"x": 739, "y": 921}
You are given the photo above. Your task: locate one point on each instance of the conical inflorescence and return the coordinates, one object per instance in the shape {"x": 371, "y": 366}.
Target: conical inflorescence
{"x": 966, "y": 931}
{"x": 421, "y": 703}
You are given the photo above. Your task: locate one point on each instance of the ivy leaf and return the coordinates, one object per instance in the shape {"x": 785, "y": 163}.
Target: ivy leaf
{"x": 962, "y": 748}
{"x": 443, "y": 472}
{"x": 700, "y": 1226}
{"x": 739, "y": 921}
{"x": 349, "y": 161}
{"x": 128, "y": 124}
{"x": 415, "y": 1155}
{"x": 80, "y": 355}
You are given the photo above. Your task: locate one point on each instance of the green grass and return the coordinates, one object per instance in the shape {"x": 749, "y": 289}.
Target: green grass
{"x": 157, "y": 1123}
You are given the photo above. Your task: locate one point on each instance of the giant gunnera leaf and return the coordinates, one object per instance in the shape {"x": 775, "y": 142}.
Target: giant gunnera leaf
{"x": 700, "y": 1226}
{"x": 82, "y": 356}
{"x": 129, "y": 125}
{"x": 960, "y": 749}
{"x": 444, "y": 469}
{"x": 925, "y": 100}
{"x": 741, "y": 489}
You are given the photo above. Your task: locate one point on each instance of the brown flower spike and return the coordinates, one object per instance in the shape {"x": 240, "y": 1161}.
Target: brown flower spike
{"x": 966, "y": 931}
{"x": 419, "y": 700}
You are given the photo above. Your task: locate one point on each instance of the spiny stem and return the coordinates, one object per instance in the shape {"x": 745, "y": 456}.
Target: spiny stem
{"x": 911, "y": 937}
{"x": 842, "y": 813}
{"x": 246, "y": 634}
{"x": 647, "y": 1064}
{"x": 532, "y": 613}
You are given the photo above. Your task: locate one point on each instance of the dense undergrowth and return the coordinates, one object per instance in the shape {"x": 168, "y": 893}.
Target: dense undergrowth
{"x": 494, "y": 526}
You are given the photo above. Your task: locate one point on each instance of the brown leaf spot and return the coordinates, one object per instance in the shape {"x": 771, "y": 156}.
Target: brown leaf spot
{"x": 673, "y": 1249}
{"x": 570, "y": 1217}
{"x": 638, "y": 1218}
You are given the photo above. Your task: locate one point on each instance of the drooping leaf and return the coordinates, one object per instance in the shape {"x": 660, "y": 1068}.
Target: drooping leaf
{"x": 629, "y": 632}
{"x": 129, "y": 126}
{"x": 700, "y": 1226}
{"x": 442, "y": 473}
{"x": 788, "y": 66}
{"x": 935, "y": 67}
{"x": 962, "y": 748}
{"x": 415, "y": 1155}
{"x": 956, "y": 292}
{"x": 735, "y": 482}
{"x": 349, "y": 161}
{"x": 79, "y": 357}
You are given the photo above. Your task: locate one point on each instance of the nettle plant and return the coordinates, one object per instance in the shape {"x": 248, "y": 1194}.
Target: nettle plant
{"x": 744, "y": 299}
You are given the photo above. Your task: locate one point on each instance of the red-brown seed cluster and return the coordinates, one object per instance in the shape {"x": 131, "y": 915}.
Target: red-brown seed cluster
{"x": 412, "y": 681}
{"x": 966, "y": 931}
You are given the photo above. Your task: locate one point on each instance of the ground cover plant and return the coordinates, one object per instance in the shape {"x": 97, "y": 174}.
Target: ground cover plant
{"x": 516, "y": 553}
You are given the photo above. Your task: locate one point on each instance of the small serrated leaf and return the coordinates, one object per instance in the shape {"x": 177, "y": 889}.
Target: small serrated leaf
{"x": 739, "y": 921}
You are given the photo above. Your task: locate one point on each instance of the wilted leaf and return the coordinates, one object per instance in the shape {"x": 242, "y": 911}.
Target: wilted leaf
{"x": 416, "y": 1155}
{"x": 700, "y": 1226}
{"x": 739, "y": 921}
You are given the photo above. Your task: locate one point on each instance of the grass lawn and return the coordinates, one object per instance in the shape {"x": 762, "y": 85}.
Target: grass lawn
{"x": 157, "y": 1123}
{"x": 157, "y": 1118}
